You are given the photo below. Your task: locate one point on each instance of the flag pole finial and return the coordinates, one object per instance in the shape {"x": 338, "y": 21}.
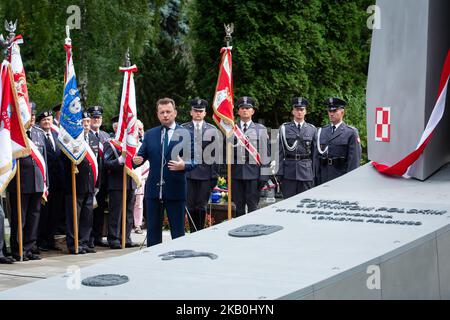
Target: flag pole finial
{"x": 229, "y": 28}
{"x": 11, "y": 28}
{"x": 127, "y": 61}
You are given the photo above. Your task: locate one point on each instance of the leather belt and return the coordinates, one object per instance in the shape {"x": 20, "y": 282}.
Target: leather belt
{"x": 297, "y": 156}
{"x": 332, "y": 161}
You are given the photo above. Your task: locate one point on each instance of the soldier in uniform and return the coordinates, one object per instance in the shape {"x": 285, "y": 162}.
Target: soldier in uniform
{"x": 203, "y": 178}
{"x": 32, "y": 188}
{"x": 54, "y": 208}
{"x": 114, "y": 166}
{"x": 246, "y": 175}
{"x": 96, "y": 113}
{"x": 85, "y": 190}
{"x": 296, "y": 151}
{"x": 338, "y": 145}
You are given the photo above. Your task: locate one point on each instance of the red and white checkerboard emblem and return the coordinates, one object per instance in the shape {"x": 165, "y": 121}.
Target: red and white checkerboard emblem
{"x": 383, "y": 124}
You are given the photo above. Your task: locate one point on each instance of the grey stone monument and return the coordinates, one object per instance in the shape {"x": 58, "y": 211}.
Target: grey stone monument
{"x": 406, "y": 60}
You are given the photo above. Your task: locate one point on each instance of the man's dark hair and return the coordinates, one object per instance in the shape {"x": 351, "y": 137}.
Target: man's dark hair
{"x": 166, "y": 101}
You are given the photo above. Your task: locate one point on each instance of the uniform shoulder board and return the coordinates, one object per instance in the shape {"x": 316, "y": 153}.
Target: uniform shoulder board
{"x": 184, "y": 125}
{"x": 354, "y": 128}
{"x": 311, "y": 125}
{"x": 209, "y": 125}
{"x": 286, "y": 123}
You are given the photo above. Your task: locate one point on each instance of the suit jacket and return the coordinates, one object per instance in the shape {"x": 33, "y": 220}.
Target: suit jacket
{"x": 55, "y": 164}
{"x": 114, "y": 170}
{"x": 298, "y": 163}
{"x": 31, "y": 179}
{"x": 174, "y": 186}
{"x": 85, "y": 176}
{"x": 342, "y": 144}
{"x": 244, "y": 166}
{"x": 205, "y": 170}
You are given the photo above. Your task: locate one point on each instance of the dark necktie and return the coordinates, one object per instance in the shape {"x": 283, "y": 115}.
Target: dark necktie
{"x": 166, "y": 137}
{"x": 50, "y": 141}
{"x": 333, "y": 129}
{"x": 96, "y": 134}
{"x": 245, "y": 127}
{"x": 299, "y": 127}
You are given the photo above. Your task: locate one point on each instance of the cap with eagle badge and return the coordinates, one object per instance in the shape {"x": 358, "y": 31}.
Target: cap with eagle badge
{"x": 198, "y": 104}
{"x": 335, "y": 103}
{"x": 299, "y": 102}
{"x": 44, "y": 114}
{"x": 246, "y": 102}
{"x": 96, "y": 111}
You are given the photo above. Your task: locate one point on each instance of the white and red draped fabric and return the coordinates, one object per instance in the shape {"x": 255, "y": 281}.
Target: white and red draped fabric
{"x": 126, "y": 140}
{"x": 40, "y": 163}
{"x": 405, "y": 167}
{"x": 223, "y": 104}
{"x": 20, "y": 80}
{"x": 90, "y": 156}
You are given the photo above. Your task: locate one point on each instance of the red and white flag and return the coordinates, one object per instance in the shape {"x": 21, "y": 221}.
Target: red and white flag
{"x": 126, "y": 140}
{"x": 7, "y": 163}
{"x": 223, "y": 104}
{"x": 19, "y": 141}
{"x": 405, "y": 167}
{"x": 20, "y": 81}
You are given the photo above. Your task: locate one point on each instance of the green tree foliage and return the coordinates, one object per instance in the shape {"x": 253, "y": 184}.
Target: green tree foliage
{"x": 311, "y": 48}
{"x": 108, "y": 28}
{"x": 164, "y": 66}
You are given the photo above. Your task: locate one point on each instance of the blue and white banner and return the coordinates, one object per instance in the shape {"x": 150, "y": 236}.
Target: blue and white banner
{"x": 71, "y": 137}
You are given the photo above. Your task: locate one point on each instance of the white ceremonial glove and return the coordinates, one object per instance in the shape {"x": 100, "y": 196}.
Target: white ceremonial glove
{"x": 121, "y": 160}
{"x": 273, "y": 165}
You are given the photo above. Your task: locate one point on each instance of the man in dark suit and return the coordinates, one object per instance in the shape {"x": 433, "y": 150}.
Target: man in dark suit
{"x": 164, "y": 146}
{"x": 32, "y": 188}
{"x": 203, "y": 178}
{"x": 114, "y": 166}
{"x": 247, "y": 176}
{"x": 54, "y": 207}
{"x": 338, "y": 145}
{"x": 96, "y": 114}
{"x": 296, "y": 151}
{"x": 85, "y": 190}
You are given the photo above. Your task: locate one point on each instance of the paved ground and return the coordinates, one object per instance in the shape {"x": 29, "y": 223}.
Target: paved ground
{"x": 58, "y": 262}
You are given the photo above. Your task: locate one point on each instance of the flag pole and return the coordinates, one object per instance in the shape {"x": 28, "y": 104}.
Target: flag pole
{"x": 19, "y": 212}
{"x": 74, "y": 208}
{"x": 124, "y": 186}
{"x": 229, "y": 177}
{"x": 124, "y": 205}
{"x": 228, "y": 31}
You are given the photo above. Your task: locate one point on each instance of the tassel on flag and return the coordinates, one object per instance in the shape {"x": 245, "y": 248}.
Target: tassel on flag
{"x": 71, "y": 137}
{"x": 223, "y": 105}
{"x": 126, "y": 139}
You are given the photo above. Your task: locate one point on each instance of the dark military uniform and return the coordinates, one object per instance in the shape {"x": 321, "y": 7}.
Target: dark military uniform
{"x": 296, "y": 154}
{"x": 99, "y": 212}
{"x": 246, "y": 175}
{"x": 203, "y": 178}
{"x": 114, "y": 171}
{"x": 52, "y": 212}
{"x": 85, "y": 199}
{"x": 32, "y": 187}
{"x": 338, "y": 152}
